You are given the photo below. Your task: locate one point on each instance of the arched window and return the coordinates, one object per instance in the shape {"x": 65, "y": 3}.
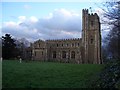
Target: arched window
{"x": 72, "y": 44}
{"x": 63, "y": 54}
{"x": 73, "y": 54}
{"x": 67, "y": 44}
{"x": 35, "y": 53}
{"x": 54, "y": 54}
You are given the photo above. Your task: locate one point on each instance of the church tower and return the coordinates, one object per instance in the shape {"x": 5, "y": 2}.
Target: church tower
{"x": 91, "y": 38}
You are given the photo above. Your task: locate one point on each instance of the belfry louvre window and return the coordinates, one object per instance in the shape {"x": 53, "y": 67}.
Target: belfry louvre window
{"x": 91, "y": 41}
{"x": 63, "y": 54}
{"x": 73, "y": 54}
{"x": 54, "y": 54}
{"x": 91, "y": 23}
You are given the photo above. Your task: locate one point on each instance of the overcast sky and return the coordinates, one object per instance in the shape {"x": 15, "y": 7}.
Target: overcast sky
{"x": 45, "y": 20}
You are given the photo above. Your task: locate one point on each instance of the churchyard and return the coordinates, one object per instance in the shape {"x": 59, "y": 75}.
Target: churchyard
{"x": 35, "y": 74}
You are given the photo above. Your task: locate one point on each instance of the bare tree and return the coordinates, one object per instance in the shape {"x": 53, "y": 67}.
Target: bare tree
{"x": 112, "y": 13}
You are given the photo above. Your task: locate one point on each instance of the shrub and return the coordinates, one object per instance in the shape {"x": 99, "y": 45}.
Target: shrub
{"x": 109, "y": 77}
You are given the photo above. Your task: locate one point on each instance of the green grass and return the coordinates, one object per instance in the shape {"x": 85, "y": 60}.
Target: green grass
{"x": 47, "y": 74}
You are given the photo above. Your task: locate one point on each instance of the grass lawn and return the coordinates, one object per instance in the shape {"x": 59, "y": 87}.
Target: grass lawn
{"x": 35, "y": 74}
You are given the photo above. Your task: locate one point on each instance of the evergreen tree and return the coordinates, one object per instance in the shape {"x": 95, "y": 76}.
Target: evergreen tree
{"x": 9, "y": 50}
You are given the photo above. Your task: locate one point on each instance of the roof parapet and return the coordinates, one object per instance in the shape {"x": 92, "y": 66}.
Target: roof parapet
{"x": 64, "y": 39}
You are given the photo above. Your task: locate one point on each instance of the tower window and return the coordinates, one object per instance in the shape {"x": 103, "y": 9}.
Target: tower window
{"x": 91, "y": 23}
{"x": 91, "y": 41}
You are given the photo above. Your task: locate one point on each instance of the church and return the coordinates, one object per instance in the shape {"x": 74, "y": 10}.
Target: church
{"x": 77, "y": 50}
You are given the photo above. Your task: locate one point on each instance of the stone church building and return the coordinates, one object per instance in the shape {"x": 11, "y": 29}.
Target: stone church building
{"x": 77, "y": 50}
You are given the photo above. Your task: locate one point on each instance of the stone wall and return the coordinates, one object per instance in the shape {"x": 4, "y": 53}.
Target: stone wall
{"x": 66, "y": 50}
{"x": 69, "y": 47}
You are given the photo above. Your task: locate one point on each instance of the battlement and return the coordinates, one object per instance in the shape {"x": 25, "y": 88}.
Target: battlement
{"x": 58, "y": 40}
{"x": 86, "y": 13}
{"x": 85, "y": 10}
{"x": 72, "y": 39}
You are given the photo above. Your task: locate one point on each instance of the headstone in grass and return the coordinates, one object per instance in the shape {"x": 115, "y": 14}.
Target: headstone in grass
{"x": 1, "y": 59}
{"x": 20, "y": 60}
